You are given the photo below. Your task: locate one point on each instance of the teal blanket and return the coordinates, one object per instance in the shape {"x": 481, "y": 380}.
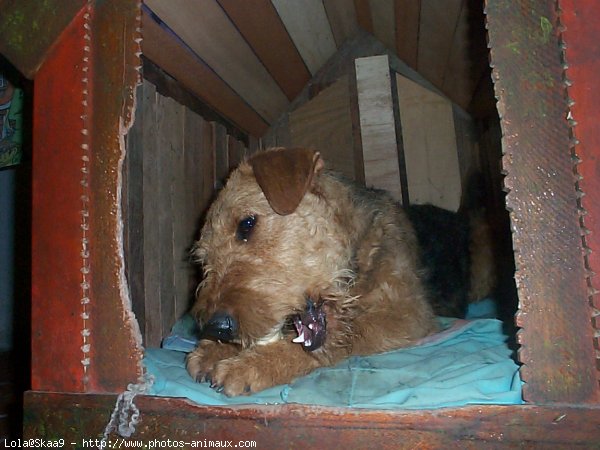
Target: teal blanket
{"x": 469, "y": 363}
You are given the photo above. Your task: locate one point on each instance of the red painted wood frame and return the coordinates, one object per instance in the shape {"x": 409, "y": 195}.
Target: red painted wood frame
{"x": 84, "y": 101}
{"x": 581, "y": 22}
{"x": 555, "y": 314}
{"x": 83, "y": 335}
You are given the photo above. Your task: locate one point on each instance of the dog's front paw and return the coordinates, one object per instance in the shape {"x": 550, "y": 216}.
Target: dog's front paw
{"x": 240, "y": 376}
{"x": 201, "y": 362}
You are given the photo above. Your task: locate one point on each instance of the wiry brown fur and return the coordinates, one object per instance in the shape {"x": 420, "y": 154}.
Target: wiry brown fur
{"x": 350, "y": 247}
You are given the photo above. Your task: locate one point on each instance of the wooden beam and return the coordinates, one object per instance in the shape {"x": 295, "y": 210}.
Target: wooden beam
{"x": 116, "y": 350}
{"x": 408, "y": 20}
{"x": 363, "y": 15}
{"x": 436, "y": 35}
{"x": 325, "y": 124}
{"x": 166, "y": 51}
{"x": 307, "y": 24}
{"x": 384, "y": 23}
{"x": 170, "y": 87}
{"x": 556, "y": 333}
{"x": 133, "y": 211}
{"x": 582, "y": 54}
{"x": 342, "y": 18}
{"x": 378, "y": 128}
{"x": 429, "y": 138}
{"x": 56, "y": 216}
{"x": 48, "y": 416}
{"x": 21, "y": 20}
{"x": 206, "y": 29}
{"x": 259, "y": 23}
{"x": 146, "y": 113}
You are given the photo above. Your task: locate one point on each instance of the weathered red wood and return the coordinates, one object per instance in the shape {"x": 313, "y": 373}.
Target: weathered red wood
{"x": 56, "y": 216}
{"x": 581, "y": 20}
{"x": 83, "y": 333}
{"x": 556, "y": 336}
{"x": 115, "y": 341}
{"x": 77, "y": 417}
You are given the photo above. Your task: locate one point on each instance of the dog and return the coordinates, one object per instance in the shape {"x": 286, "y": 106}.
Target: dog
{"x": 303, "y": 269}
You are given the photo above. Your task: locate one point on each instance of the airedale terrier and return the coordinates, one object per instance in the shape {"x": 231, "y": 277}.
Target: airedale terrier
{"x": 303, "y": 269}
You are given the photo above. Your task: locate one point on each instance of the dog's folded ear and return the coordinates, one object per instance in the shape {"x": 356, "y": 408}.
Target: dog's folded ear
{"x": 284, "y": 175}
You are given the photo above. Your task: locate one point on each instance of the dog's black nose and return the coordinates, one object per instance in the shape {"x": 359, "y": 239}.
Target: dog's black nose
{"x": 220, "y": 326}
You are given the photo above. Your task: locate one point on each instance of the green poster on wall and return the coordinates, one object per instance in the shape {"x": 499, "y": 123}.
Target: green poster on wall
{"x": 11, "y": 123}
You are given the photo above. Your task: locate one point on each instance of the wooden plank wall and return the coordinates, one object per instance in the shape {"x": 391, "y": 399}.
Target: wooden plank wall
{"x": 378, "y": 124}
{"x": 325, "y": 124}
{"x": 250, "y": 59}
{"x": 430, "y": 145}
{"x": 175, "y": 161}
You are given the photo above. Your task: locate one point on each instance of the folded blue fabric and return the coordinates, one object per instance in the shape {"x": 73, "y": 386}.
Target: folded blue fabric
{"x": 467, "y": 364}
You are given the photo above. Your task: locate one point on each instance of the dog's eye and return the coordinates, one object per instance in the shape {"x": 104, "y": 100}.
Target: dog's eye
{"x": 245, "y": 227}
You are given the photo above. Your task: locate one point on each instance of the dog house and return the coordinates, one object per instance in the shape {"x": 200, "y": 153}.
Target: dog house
{"x": 220, "y": 80}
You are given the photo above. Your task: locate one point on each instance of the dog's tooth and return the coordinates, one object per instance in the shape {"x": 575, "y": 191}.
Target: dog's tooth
{"x": 311, "y": 325}
{"x": 307, "y": 343}
{"x": 299, "y": 339}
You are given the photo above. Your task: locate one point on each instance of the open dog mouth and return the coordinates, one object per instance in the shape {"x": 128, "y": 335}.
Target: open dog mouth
{"x": 311, "y": 326}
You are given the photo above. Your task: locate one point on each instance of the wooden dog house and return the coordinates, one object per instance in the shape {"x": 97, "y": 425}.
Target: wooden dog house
{"x": 231, "y": 79}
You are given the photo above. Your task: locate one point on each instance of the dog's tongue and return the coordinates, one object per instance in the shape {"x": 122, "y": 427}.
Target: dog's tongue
{"x": 311, "y": 326}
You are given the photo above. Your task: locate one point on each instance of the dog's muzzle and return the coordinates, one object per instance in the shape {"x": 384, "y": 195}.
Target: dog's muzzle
{"x": 220, "y": 326}
{"x": 311, "y": 326}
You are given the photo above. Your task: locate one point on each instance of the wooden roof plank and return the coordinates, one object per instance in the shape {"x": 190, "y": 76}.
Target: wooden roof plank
{"x": 363, "y": 15}
{"x": 205, "y": 27}
{"x": 163, "y": 48}
{"x": 384, "y": 23}
{"x": 408, "y": 15}
{"x": 436, "y": 34}
{"x": 342, "y": 18}
{"x": 309, "y": 28}
{"x": 260, "y": 25}
{"x": 468, "y": 60}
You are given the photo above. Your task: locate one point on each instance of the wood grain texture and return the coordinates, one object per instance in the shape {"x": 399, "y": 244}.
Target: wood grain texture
{"x": 166, "y": 51}
{"x": 307, "y": 24}
{"x": 384, "y": 21}
{"x": 168, "y": 134}
{"x": 116, "y": 361}
{"x": 178, "y": 172}
{"x": 408, "y": 21}
{"x": 342, "y": 19}
{"x": 259, "y": 23}
{"x": 459, "y": 78}
{"x": 150, "y": 167}
{"x": 436, "y": 37}
{"x": 133, "y": 213}
{"x": 304, "y": 426}
{"x": 196, "y": 170}
{"x": 324, "y": 123}
{"x": 430, "y": 151}
{"x": 236, "y": 152}
{"x": 56, "y": 217}
{"x": 582, "y": 22}
{"x": 378, "y": 130}
{"x": 556, "y": 334}
{"x": 221, "y": 155}
{"x": 205, "y": 27}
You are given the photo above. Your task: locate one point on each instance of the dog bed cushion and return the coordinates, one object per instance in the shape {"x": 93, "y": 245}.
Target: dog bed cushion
{"x": 468, "y": 363}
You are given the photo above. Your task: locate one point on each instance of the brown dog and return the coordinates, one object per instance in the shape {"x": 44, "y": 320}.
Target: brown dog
{"x": 301, "y": 270}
